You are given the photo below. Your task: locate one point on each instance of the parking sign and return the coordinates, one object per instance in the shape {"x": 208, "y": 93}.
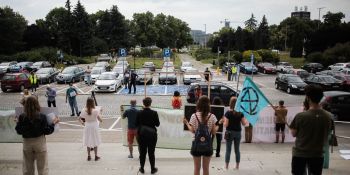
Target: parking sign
{"x": 166, "y": 52}
{"x": 122, "y": 52}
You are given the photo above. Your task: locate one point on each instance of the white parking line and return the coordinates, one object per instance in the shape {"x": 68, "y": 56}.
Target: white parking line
{"x": 69, "y": 124}
{"x": 62, "y": 89}
{"x": 154, "y": 82}
{"x": 119, "y": 90}
{"x": 115, "y": 123}
{"x": 79, "y": 89}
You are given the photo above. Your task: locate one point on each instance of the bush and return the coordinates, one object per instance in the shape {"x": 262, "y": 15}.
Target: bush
{"x": 315, "y": 57}
{"x": 145, "y": 52}
{"x": 268, "y": 56}
{"x": 201, "y": 54}
{"x": 336, "y": 54}
{"x": 237, "y": 56}
{"x": 247, "y": 55}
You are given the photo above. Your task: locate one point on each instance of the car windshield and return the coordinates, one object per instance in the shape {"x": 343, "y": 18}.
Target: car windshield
{"x": 185, "y": 64}
{"x": 4, "y": 64}
{"x": 119, "y": 71}
{"x": 168, "y": 69}
{"x": 327, "y": 79}
{"x": 96, "y": 71}
{"x": 247, "y": 64}
{"x": 43, "y": 71}
{"x": 191, "y": 71}
{"x": 141, "y": 71}
{"x": 9, "y": 77}
{"x": 37, "y": 64}
{"x": 68, "y": 70}
{"x": 295, "y": 79}
{"x": 22, "y": 64}
{"x": 106, "y": 77}
{"x": 100, "y": 64}
{"x": 268, "y": 65}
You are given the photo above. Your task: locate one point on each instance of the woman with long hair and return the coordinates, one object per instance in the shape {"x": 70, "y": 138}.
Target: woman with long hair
{"x": 33, "y": 126}
{"x": 202, "y": 116}
{"x": 90, "y": 117}
{"x": 232, "y": 123}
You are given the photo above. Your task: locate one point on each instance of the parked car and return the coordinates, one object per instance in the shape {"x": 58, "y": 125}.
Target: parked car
{"x": 283, "y": 66}
{"x": 345, "y": 79}
{"x": 70, "y": 75}
{"x": 107, "y": 82}
{"x": 330, "y": 72}
{"x": 217, "y": 89}
{"x": 192, "y": 75}
{"x": 5, "y": 66}
{"x": 227, "y": 66}
{"x": 300, "y": 72}
{"x": 266, "y": 68}
{"x": 15, "y": 81}
{"x": 248, "y": 67}
{"x": 325, "y": 81}
{"x": 144, "y": 75}
{"x": 167, "y": 76}
{"x": 337, "y": 103}
{"x": 47, "y": 75}
{"x": 103, "y": 64}
{"x": 346, "y": 71}
{"x": 120, "y": 71}
{"x": 40, "y": 64}
{"x": 149, "y": 65}
{"x": 104, "y": 57}
{"x": 21, "y": 66}
{"x": 168, "y": 64}
{"x": 123, "y": 64}
{"x": 339, "y": 66}
{"x": 95, "y": 73}
{"x": 290, "y": 83}
{"x": 185, "y": 65}
{"x": 313, "y": 67}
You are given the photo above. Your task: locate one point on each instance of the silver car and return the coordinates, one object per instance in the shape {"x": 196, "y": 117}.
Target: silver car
{"x": 167, "y": 75}
{"x": 70, "y": 75}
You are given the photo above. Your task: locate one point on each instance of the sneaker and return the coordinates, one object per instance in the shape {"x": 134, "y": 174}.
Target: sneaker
{"x": 154, "y": 170}
{"x": 72, "y": 115}
{"x": 141, "y": 170}
{"x": 217, "y": 155}
{"x": 130, "y": 156}
{"x": 97, "y": 158}
{"x": 79, "y": 113}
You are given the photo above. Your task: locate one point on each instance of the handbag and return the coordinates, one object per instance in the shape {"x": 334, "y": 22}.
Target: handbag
{"x": 227, "y": 135}
{"x": 333, "y": 140}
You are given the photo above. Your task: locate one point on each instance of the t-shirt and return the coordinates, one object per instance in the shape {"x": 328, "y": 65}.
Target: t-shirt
{"x": 90, "y": 118}
{"x": 281, "y": 114}
{"x": 176, "y": 102}
{"x": 71, "y": 92}
{"x": 131, "y": 114}
{"x": 147, "y": 117}
{"x": 312, "y": 128}
{"x": 194, "y": 122}
{"x": 234, "y": 121}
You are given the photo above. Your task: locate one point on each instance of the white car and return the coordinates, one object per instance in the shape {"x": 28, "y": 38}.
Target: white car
{"x": 95, "y": 72}
{"x": 185, "y": 65}
{"x": 122, "y": 63}
{"x": 120, "y": 71}
{"x": 107, "y": 82}
{"x": 103, "y": 64}
{"x": 339, "y": 66}
{"x": 192, "y": 75}
{"x": 5, "y": 66}
{"x": 283, "y": 66}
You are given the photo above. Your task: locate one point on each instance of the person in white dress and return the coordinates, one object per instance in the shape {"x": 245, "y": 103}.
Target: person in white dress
{"x": 90, "y": 118}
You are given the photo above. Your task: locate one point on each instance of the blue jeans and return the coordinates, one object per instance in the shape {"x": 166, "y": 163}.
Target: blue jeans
{"x": 73, "y": 105}
{"x": 88, "y": 79}
{"x": 235, "y": 136}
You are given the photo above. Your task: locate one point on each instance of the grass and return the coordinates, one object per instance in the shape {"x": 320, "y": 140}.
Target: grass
{"x": 296, "y": 62}
{"x": 158, "y": 62}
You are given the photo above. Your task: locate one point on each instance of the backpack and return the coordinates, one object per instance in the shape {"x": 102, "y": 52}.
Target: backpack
{"x": 202, "y": 138}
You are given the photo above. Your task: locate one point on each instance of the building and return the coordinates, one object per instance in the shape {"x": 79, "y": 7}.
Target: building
{"x": 200, "y": 37}
{"x": 301, "y": 14}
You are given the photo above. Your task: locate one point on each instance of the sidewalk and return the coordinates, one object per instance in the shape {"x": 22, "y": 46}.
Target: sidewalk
{"x": 70, "y": 159}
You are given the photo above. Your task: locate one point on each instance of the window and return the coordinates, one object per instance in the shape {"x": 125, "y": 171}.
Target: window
{"x": 23, "y": 77}
{"x": 215, "y": 89}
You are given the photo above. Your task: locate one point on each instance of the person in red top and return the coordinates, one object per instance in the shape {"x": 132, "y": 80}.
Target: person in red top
{"x": 176, "y": 101}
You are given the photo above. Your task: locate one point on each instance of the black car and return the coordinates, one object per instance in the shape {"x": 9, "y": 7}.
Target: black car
{"x": 47, "y": 75}
{"x": 216, "y": 89}
{"x": 313, "y": 67}
{"x": 330, "y": 72}
{"x": 325, "y": 81}
{"x": 290, "y": 83}
{"x": 338, "y": 103}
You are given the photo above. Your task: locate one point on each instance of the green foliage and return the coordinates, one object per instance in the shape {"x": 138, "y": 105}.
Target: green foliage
{"x": 315, "y": 57}
{"x": 336, "y": 54}
{"x": 145, "y": 52}
{"x": 237, "y": 56}
{"x": 268, "y": 56}
{"x": 247, "y": 54}
{"x": 251, "y": 23}
{"x": 202, "y": 54}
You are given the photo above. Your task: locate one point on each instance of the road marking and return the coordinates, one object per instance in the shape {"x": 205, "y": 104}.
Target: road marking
{"x": 115, "y": 123}
{"x": 120, "y": 90}
{"x": 166, "y": 89}
{"x": 154, "y": 82}
{"x": 79, "y": 89}
{"x": 69, "y": 124}
{"x": 81, "y": 130}
{"x": 41, "y": 87}
{"x": 62, "y": 89}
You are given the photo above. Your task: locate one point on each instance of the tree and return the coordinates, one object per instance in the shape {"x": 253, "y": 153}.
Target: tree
{"x": 144, "y": 30}
{"x": 276, "y": 37}
{"x": 12, "y": 27}
{"x": 239, "y": 39}
{"x": 262, "y": 35}
{"x": 35, "y": 37}
{"x": 333, "y": 18}
{"x": 251, "y": 24}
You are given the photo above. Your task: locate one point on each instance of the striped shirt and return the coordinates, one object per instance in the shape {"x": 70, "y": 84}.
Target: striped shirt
{"x": 211, "y": 121}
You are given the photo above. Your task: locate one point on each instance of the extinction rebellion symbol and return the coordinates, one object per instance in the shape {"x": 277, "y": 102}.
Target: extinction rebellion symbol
{"x": 249, "y": 101}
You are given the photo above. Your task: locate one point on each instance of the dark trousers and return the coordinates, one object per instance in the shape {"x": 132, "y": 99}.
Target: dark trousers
{"x": 144, "y": 147}
{"x": 51, "y": 102}
{"x": 314, "y": 165}
{"x": 33, "y": 87}
{"x": 218, "y": 142}
{"x": 132, "y": 83}
{"x": 126, "y": 82}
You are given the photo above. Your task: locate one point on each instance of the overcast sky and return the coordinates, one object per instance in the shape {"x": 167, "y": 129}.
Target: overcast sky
{"x": 195, "y": 12}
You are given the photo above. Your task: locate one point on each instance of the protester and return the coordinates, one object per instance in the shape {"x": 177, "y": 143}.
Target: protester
{"x": 132, "y": 81}
{"x": 197, "y": 93}
{"x": 229, "y": 72}
{"x": 218, "y": 102}
{"x": 280, "y": 120}
{"x": 207, "y": 74}
{"x": 126, "y": 79}
{"x": 33, "y": 80}
{"x": 131, "y": 114}
{"x": 311, "y": 129}
{"x": 90, "y": 118}
{"x": 248, "y": 133}
{"x": 24, "y": 96}
{"x": 176, "y": 101}
{"x": 51, "y": 96}
{"x": 71, "y": 95}
{"x": 88, "y": 76}
{"x": 232, "y": 123}
{"x": 33, "y": 126}
{"x": 202, "y": 117}
{"x": 234, "y": 72}
{"x": 146, "y": 121}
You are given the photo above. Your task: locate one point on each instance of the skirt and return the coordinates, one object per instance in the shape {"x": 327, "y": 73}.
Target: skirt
{"x": 91, "y": 136}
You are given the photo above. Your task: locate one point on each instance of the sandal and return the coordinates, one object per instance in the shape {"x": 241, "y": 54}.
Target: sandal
{"x": 89, "y": 158}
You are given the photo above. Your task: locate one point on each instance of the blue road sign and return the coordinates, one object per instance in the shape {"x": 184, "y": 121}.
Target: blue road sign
{"x": 166, "y": 52}
{"x": 122, "y": 52}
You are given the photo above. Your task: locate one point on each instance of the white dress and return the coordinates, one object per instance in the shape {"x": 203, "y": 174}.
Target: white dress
{"x": 91, "y": 137}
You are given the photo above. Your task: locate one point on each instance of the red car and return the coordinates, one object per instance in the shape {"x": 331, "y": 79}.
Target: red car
{"x": 345, "y": 79}
{"x": 15, "y": 81}
{"x": 266, "y": 68}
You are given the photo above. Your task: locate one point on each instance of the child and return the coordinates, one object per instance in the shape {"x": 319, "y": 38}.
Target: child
{"x": 176, "y": 100}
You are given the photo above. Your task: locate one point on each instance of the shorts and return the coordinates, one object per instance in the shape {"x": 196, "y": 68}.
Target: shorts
{"x": 132, "y": 133}
{"x": 199, "y": 154}
{"x": 280, "y": 127}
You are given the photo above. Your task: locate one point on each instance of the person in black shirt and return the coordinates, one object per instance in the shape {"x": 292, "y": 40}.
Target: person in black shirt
{"x": 232, "y": 122}
{"x": 146, "y": 121}
{"x": 33, "y": 126}
{"x": 207, "y": 74}
{"x": 132, "y": 81}
{"x": 218, "y": 101}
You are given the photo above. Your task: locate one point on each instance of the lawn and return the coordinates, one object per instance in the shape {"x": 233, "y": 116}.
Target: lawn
{"x": 157, "y": 61}
{"x": 296, "y": 62}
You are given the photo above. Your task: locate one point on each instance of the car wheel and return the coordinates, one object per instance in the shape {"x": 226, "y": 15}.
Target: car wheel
{"x": 21, "y": 88}
{"x": 264, "y": 71}
{"x": 276, "y": 86}
{"x": 289, "y": 91}
{"x": 73, "y": 80}
{"x": 3, "y": 89}
{"x": 175, "y": 81}
{"x": 49, "y": 80}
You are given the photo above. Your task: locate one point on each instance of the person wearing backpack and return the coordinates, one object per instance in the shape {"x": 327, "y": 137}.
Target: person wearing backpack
{"x": 176, "y": 101}
{"x": 202, "y": 124}
{"x": 232, "y": 123}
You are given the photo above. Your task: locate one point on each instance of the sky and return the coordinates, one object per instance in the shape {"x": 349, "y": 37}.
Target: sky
{"x": 196, "y": 13}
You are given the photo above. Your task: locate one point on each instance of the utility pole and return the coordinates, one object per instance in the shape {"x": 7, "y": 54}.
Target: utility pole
{"x": 319, "y": 16}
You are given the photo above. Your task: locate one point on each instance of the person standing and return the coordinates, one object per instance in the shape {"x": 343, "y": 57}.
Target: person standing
{"x": 234, "y": 72}
{"x": 90, "y": 118}
{"x": 126, "y": 79}
{"x": 280, "y": 120}
{"x": 132, "y": 81}
{"x": 33, "y": 126}
{"x": 176, "y": 101}
{"x": 207, "y": 74}
{"x": 229, "y": 72}
{"x": 33, "y": 79}
{"x": 311, "y": 129}
{"x": 202, "y": 116}
{"x": 146, "y": 121}
{"x": 218, "y": 102}
{"x": 71, "y": 95}
{"x": 51, "y": 96}
{"x": 131, "y": 114}
{"x": 88, "y": 76}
